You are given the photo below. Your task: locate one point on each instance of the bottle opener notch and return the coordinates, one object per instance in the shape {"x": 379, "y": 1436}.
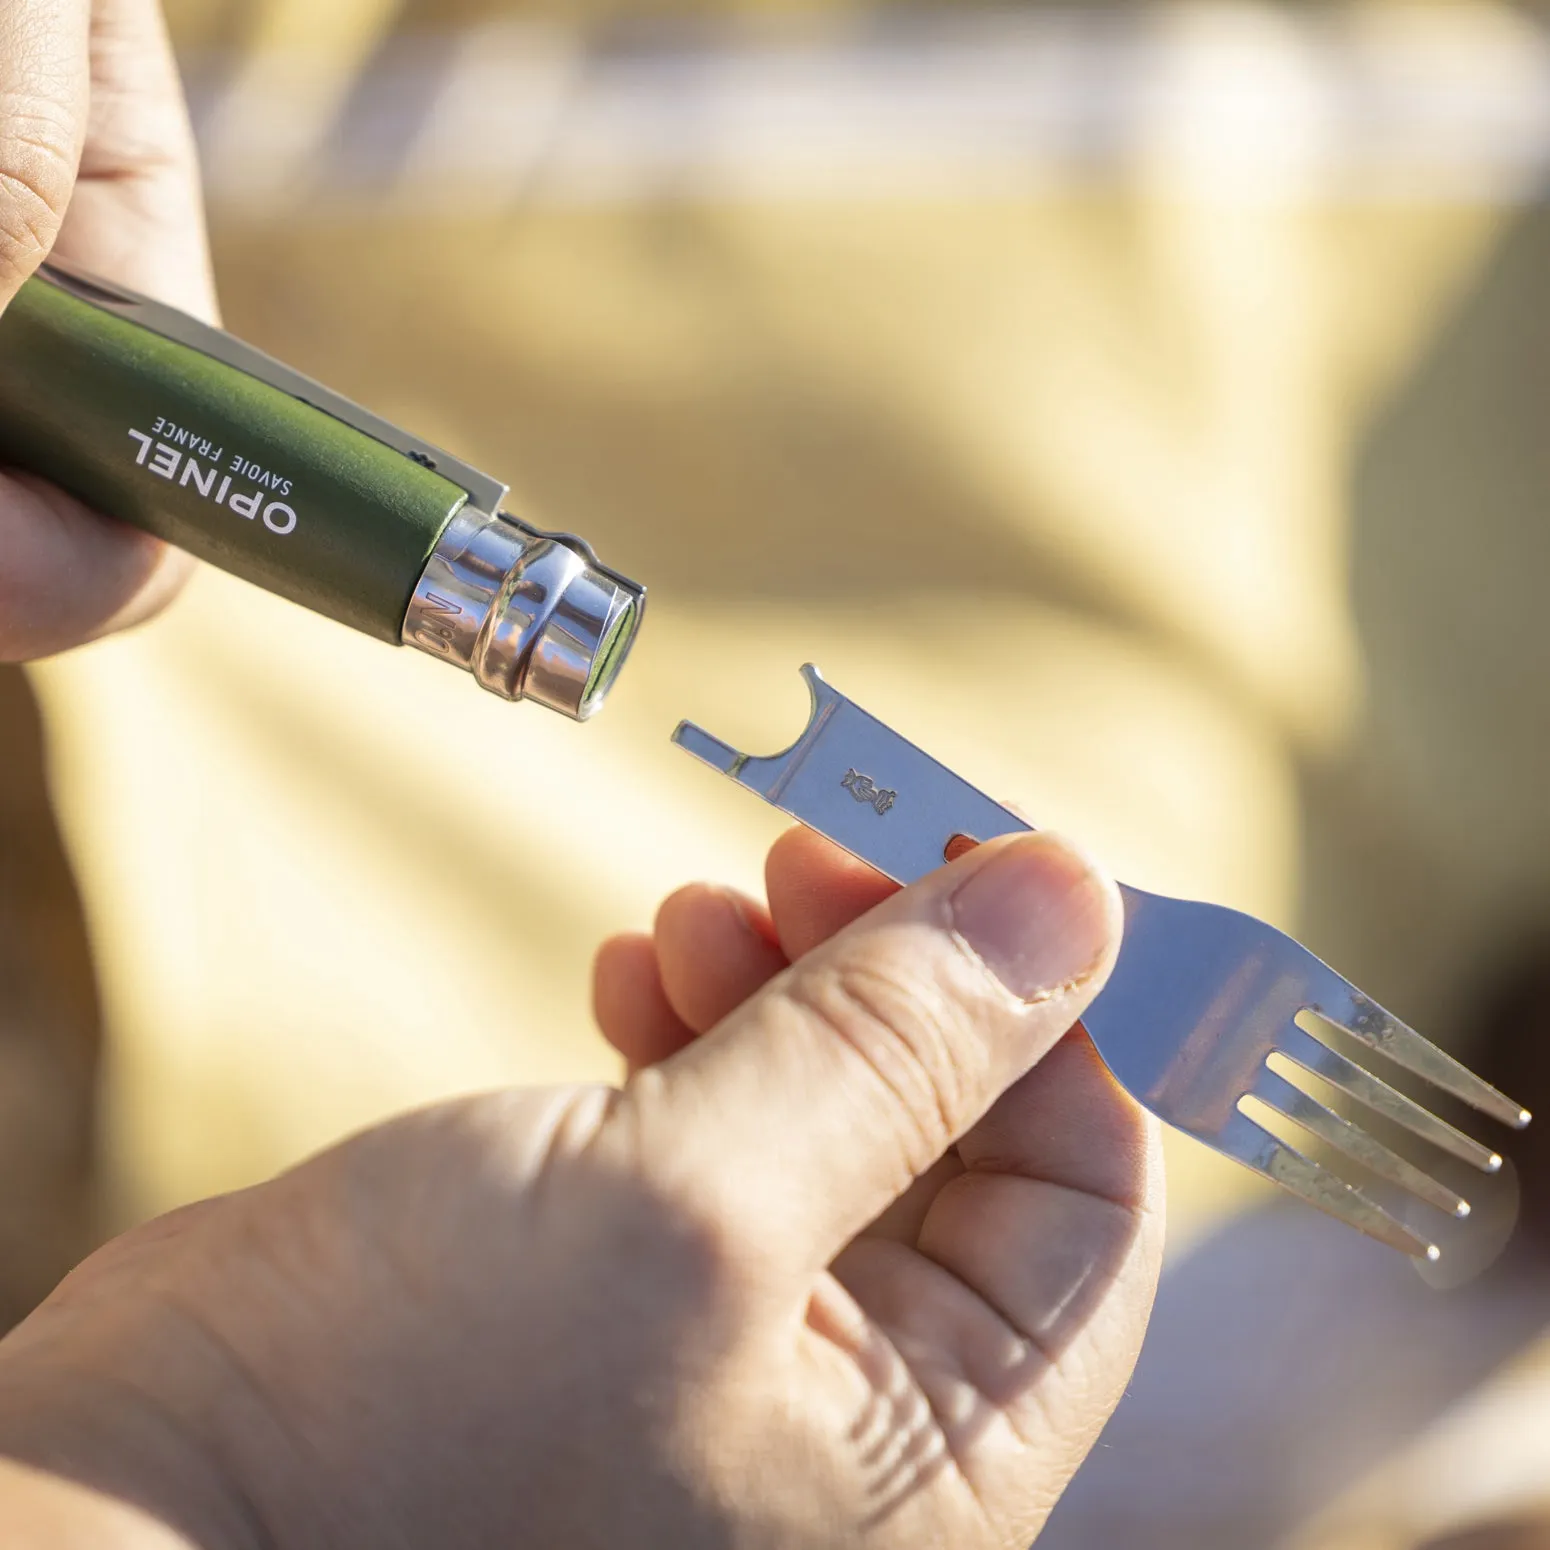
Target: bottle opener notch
{"x": 863, "y": 785}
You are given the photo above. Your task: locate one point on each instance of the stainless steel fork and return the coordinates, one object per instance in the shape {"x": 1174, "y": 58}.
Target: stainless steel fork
{"x": 1199, "y": 1019}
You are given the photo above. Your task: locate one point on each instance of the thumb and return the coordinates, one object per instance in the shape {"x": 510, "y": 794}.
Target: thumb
{"x": 817, "y": 1103}
{"x": 43, "y": 102}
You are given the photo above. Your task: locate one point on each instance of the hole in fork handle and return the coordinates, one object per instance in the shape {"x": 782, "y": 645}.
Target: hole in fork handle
{"x": 959, "y": 845}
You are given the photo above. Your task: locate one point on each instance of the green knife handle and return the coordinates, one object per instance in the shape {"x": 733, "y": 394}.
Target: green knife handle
{"x": 152, "y": 417}
{"x": 200, "y": 452}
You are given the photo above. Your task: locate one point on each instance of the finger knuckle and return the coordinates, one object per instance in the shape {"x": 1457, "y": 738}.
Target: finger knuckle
{"x": 902, "y": 1033}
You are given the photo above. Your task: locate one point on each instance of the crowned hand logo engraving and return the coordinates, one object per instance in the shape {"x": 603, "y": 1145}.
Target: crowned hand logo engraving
{"x": 864, "y": 789}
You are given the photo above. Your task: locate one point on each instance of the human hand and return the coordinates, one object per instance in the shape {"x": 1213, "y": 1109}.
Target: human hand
{"x": 97, "y": 163}
{"x": 1066, "y": 1126}
{"x": 837, "y": 1272}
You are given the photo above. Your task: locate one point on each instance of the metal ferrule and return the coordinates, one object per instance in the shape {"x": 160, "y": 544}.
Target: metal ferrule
{"x": 533, "y": 616}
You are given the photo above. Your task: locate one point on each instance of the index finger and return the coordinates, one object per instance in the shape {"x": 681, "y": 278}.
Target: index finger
{"x": 816, "y": 889}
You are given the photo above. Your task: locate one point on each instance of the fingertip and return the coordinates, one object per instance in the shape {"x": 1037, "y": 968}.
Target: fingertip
{"x": 168, "y": 574}
{"x": 629, "y": 1003}
{"x": 715, "y": 948}
{"x": 690, "y": 909}
{"x": 1042, "y": 915}
{"x": 817, "y": 889}
{"x": 618, "y": 967}
{"x": 800, "y": 854}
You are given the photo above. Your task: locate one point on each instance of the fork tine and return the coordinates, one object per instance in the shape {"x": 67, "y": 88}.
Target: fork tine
{"x": 1291, "y": 1101}
{"x": 1266, "y": 1154}
{"x": 1364, "y": 1019}
{"x": 1304, "y": 1050}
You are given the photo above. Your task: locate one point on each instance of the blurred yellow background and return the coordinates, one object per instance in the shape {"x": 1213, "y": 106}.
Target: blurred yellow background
{"x": 877, "y": 341}
{"x": 1142, "y": 408}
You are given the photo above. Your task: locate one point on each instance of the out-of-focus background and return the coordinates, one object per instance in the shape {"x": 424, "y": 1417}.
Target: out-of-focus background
{"x": 1146, "y": 407}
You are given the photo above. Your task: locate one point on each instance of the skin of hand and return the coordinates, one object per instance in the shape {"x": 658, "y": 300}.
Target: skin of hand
{"x": 97, "y": 164}
{"x": 861, "y": 1253}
